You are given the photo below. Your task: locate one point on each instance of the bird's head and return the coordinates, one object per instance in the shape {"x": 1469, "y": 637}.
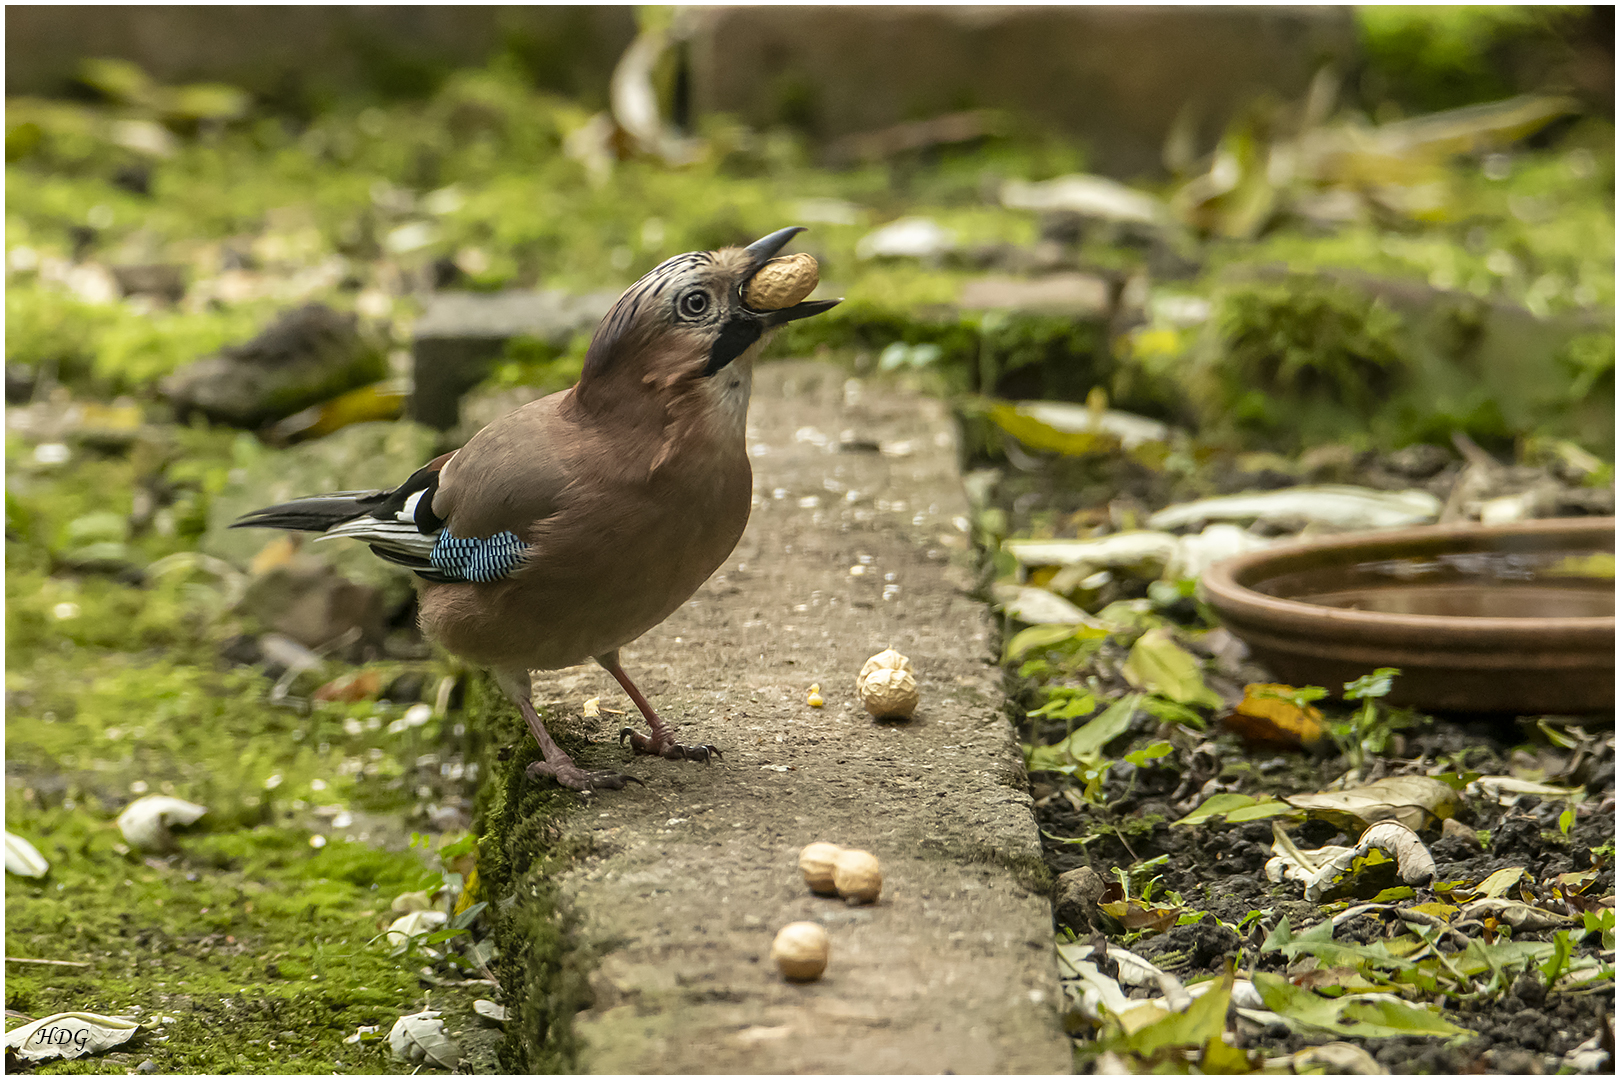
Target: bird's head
{"x": 686, "y": 319}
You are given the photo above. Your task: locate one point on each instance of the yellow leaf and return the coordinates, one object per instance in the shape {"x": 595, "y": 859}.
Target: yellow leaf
{"x": 1261, "y": 717}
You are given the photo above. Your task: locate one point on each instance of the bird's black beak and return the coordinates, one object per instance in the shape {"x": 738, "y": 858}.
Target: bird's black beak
{"x": 762, "y": 251}
{"x": 765, "y": 248}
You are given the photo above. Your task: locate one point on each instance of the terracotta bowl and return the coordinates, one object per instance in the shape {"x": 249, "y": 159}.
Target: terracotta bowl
{"x": 1497, "y": 619}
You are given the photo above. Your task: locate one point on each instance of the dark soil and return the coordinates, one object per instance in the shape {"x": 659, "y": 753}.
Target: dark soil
{"x": 1220, "y": 869}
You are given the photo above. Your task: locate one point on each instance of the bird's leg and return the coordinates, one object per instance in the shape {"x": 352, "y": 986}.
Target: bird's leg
{"x": 662, "y": 741}
{"x": 557, "y": 764}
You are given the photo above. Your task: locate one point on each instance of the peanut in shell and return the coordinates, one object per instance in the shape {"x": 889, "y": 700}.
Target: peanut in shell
{"x": 782, "y": 282}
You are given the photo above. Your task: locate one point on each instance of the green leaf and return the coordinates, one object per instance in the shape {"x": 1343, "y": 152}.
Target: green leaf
{"x": 1158, "y": 664}
{"x": 1151, "y": 752}
{"x": 1479, "y": 957}
{"x": 1046, "y": 759}
{"x": 1297, "y": 696}
{"x": 1041, "y": 636}
{"x": 1096, "y": 733}
{"x": 1066, "y": 703}
{"x": 1281, "y": 934}
{"x": 1371, "y": 1019}
{"x": 1228, "y": 803}
{"x": 1361, "y": 1016}
{"x": 1258, "y": 812}
{"x": 1558, "y": 962}
{"x": 1171, "y": 713}
{"x": 1375, "y": 685}
{"x": 1038, "y": 435}
{"x": 467, "y": 917}
{"x": 1204, "y": 1020}
{"x": 1566, "y": 821}
{"x": 1221, "y": 1059}
{"x": 1318, "y": 942}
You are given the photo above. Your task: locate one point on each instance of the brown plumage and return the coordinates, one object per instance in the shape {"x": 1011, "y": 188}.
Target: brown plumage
{"x": 576, "y": 523}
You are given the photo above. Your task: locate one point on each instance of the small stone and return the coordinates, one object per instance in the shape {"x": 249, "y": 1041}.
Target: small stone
{"x": 1451, "y": 828}
{"x": 461, "y": 334}
{"x": 1075, "y": 900}
{"x": 307, "y": 355}
{"x": 1529, "y": 989}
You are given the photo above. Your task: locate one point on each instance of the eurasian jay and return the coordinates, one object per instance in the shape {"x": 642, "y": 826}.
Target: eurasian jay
{"x": 573, "y": 525}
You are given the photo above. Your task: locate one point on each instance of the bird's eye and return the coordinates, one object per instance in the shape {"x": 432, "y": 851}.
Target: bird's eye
{"x": 694, "y": 303}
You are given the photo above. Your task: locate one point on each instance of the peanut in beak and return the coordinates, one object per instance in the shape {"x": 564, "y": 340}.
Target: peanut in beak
{"x": 782, "y": 282}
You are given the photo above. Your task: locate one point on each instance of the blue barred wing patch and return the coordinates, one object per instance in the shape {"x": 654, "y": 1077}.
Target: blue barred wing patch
{"x": 487, "y": 558}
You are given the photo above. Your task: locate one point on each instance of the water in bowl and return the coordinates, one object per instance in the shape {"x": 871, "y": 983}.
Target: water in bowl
{"x": 1477, "y": 584}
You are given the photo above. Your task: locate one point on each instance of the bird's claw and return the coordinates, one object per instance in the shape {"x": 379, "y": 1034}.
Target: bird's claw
{"x": 572, "y": 776}
{"x": 674, "y": 751}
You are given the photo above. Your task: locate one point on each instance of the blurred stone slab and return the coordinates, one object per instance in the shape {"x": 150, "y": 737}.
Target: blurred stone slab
{"x": 1078, "y": 294}
{"x": 462, "y": 333}
{"x": 307, "y": 355}
{"x": 311, "y": 52}
{"x": 1117, "y": 77}
{"x": 1463, "y": 345}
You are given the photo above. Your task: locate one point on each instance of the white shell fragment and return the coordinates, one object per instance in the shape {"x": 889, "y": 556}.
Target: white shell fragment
{"x": 23, "y": 858}
{"x": 1130, "y": 429}
{"x": 420, "y": 1039}
{"x": 1413, "y": 863}
{"x": 417, "y": 923}
{"x": 886, "y": 686}
{"x": 1035, "y": 606}
{"x": 490, "y": 1011}
{"x": 1127, "y": 550}
{"x": 145, "y": 822}
{"x": 405, "y": 903}
{"x": 1335, "y": 506}
{"x": 1083, "y": 193}
{"x": 69, "y": 1035}
{"x": 907, "y": 237}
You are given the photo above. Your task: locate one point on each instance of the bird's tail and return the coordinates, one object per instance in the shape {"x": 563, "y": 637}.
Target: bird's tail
{"x": 317, "y": 513}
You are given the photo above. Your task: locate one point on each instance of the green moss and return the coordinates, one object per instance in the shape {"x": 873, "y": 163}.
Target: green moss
{"x": 242, "y": 937}
{"x": 544, "y": 963}
{"x": 1302, "y": 356}
{"x": 1443, "y": 56}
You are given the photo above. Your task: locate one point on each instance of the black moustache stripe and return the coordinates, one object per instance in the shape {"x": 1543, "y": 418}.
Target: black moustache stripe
{"x": 734, "y": 340}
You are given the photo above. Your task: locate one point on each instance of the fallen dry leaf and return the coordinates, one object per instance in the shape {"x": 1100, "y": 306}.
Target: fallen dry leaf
{"x": 419, "y": 1038}
{"x": 1353, "y": 873}
{"x": 1134, "y": 914}
{"x": 23, "y": 858}
{"x": 1413, "y": 801}
{"x": 357, "y": 686}
{"x": 69, "y": 1035}
{"x": 1266, "y": 716}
